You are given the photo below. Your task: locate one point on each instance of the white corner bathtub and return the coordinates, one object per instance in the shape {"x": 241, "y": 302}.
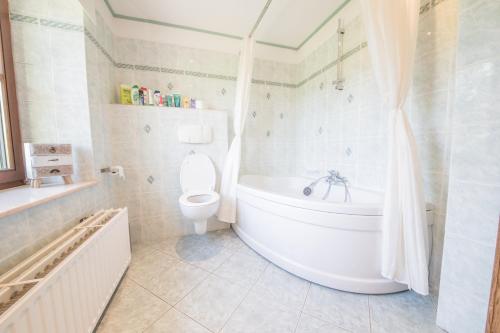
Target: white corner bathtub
{"x": 329, "y": 242}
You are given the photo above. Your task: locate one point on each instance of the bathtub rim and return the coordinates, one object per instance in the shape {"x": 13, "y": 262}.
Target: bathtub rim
{"x": 361, "y": 209}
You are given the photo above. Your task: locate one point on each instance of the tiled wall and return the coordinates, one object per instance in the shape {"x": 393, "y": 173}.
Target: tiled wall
{"x": 100, "y": 82}
{"x": 346, "y": 130}
{"x": 50, "y": 65}
{"x": 268, "y": 145}
{"x": 297, "y": 123}
{"x": 474, "y": 194}
{"x": 144, "y": 141}
{"x": 49, "y": 59}
{"x": 211, "y": 77}
{"x": 206, "y": 75}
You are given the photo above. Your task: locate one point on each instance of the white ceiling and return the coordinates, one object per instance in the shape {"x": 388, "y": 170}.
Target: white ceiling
{"x": 286, "y": 22}
{"x": 290, "y": 22}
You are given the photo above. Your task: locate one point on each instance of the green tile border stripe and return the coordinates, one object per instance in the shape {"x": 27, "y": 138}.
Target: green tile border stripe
{"x": 166, "y": 24}
{"x": 423, "y": 9}
{"x": 331, "y": 64}
{"x": 325, "y": 21}
{"x": 221, "y": 34}
{"x": 78, "y": 28}
{"x": 89, "y": 35}
{"x": 61, "y": 25}
{"x": 142, "y": 67}
{"x": 45, "y": 22}
{"x": 23, "y": 18}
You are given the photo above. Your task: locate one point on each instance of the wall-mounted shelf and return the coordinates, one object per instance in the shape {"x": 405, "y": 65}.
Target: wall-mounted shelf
{"x": 141, "y": 108}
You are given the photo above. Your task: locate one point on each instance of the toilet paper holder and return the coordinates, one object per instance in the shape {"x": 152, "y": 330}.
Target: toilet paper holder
{"x": 115, "y": 170}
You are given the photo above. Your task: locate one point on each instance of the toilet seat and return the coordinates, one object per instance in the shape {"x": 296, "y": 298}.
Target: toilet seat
{"x": 190, "y": 199}
{"x": 199, "y": 201}
{"x": 197, "y": 174}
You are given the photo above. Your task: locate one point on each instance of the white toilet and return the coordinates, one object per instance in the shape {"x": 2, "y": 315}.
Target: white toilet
{"x": 198, "y": 201}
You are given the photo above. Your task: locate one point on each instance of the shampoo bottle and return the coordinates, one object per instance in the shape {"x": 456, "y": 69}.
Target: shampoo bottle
{"x": 135, "y": 95}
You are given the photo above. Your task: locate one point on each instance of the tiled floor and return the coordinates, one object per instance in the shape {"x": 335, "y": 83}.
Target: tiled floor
{"x": 215, "y": 283}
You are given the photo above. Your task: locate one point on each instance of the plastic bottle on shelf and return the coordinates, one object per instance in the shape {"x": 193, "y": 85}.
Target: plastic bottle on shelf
{"x": 151, "y": 97}
{"x": 145, "y": 95}
{"x": 125, "y": 94}
{"x": 141, "y": 97}
{"x": 157, "y": 98}
{"x": 135, "y": 95}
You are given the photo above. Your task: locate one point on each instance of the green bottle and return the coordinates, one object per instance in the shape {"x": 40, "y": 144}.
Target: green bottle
{"x": 135, "y": 95}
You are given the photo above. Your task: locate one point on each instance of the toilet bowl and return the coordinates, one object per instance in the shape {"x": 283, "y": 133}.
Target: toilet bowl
{"x": 199, "y": 201}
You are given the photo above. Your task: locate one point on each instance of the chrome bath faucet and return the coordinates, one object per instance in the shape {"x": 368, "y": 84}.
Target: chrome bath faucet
{"x": 333, "y": 178}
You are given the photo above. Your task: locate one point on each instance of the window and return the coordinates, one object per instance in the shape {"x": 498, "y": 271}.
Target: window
{"x": 11, "y": 158}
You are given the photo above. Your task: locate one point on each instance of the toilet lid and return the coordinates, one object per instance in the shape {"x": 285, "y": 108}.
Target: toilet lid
{"x": 197, "y": 173}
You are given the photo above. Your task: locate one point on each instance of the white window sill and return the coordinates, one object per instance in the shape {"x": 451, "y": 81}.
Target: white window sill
{"x": 15, "y": 200}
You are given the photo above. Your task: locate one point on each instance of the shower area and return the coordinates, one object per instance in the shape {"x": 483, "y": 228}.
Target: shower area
{"x": 326, "y": 113}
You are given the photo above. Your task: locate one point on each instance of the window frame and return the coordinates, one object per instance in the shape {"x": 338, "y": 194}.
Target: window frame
{"x": 16, "y": 175}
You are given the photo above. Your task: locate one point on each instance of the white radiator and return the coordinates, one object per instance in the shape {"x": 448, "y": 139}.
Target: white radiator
{"x": 82, "y": 270}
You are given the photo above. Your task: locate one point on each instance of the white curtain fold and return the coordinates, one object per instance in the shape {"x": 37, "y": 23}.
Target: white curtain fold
{"x": 229, "y": 183}
{"x": 391, "y": 28}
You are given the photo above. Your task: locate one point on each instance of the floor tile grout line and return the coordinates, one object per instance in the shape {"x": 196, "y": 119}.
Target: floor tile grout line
{"x": 369, "y": 314}
{"x": 157, "y": 319}
{"x": 303, "y": 305}
{"x": 196, "y": 286}
{"x": 210, "y": 273}
{"x": 244, "y": 298}
{"x": 298, "y": 321}
{"x": 191, "y": 290}
{"x": 154, "y": 295}
{"x": 172, "y": 306}
{"x": 149, "y": 291}
{"x": 236, "y": 308}
{"x": 196, "y": 321}
{"x": 328, "y": 322}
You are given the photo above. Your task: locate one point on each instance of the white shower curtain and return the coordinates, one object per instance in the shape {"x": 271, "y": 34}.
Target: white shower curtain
{"x": 391, "y": 27}
{"x": 227, "y": 209}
